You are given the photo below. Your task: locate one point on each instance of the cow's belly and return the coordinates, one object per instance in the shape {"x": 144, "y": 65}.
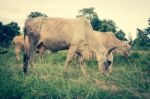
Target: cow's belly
{"x": 56, "y": 46}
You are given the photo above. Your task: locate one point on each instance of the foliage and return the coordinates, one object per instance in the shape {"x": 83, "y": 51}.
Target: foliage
{"x": 129, "y": 80}
{"x": 96, "y": 23}
{"x": 7, "y": 32}
{"x": 108, "y": 26}
{"x": 36, "y": 14}
{"x": 120, "y": 35}
{"x": 149, "y": 21}
{"x": 89, "y": 13}
{"x": 143, "y": 38}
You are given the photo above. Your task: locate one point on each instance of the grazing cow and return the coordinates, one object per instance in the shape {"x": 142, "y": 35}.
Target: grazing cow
{"x": 56, "y": 34}
{"x": 109, "y": 40}
{"x": 19, "y": 45}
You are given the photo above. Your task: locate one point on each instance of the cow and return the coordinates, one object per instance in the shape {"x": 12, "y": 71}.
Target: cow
{"x": 19, "y": 45}
{"x": 74, "y": 35}
{"x": 109, "y": 40}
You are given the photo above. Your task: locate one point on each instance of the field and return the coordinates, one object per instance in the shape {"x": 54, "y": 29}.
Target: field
{"x": 130, "y": 78}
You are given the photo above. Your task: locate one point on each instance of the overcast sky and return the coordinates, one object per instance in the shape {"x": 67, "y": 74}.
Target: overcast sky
{"x": 127, "y": 14}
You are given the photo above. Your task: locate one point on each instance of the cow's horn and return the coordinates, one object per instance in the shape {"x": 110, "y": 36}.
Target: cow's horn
{"x": 130, "y": 39}
{"x": 111, "y": 49}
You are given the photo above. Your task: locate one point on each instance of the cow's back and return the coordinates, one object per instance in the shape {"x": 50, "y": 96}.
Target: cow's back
{"x": 106, "y": 38}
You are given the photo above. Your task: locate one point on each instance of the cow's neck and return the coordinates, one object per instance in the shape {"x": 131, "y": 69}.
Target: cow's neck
{"x": 118, "y": 42}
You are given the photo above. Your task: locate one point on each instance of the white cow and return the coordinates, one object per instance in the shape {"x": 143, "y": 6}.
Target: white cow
{"x": 108, "y": 40}
{"x": 56, "y": 34}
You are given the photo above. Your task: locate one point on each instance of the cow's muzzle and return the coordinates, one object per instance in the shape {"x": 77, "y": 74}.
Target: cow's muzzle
{"x": 126, "y": 55}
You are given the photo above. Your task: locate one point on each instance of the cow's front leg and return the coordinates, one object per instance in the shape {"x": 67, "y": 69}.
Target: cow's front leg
{"x": 100, "y": 59}
{"x": 101, "y": 67}
{"x": 70, "y": 56}
{"x": 17, "y": 51}
{"x": 82, "y": 65}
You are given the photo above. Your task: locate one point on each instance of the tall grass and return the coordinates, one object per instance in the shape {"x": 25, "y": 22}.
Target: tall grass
{"x": 130, "y": 78}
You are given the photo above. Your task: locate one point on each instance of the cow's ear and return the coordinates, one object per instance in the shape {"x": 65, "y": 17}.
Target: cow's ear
{"x": 40, "y": 45}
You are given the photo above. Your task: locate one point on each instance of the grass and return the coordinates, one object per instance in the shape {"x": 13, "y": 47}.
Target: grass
{"x": 130, "y": 78}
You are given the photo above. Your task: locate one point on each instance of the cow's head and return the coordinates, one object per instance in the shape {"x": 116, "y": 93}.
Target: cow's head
{"x": 105, "y": 61}
{"x": 124, "y": 47}
{"x": 126, "y": 50}
{"x": 127, "y": 47}
{"x": 108, "y": 61}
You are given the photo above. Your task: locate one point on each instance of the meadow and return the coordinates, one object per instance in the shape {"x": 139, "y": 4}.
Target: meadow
{"x": 130, "y": 78}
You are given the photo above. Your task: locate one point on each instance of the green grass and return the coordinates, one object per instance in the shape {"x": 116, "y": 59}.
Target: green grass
{"x": 130, "y": 78}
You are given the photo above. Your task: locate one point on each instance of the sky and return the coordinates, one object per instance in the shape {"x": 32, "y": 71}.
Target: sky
{"x": 127, "y": 14}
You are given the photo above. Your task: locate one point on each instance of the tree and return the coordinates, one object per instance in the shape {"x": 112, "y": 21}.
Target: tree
{"x": 1, "y": 33}
{"x": 143, "y": 39}
{"x": 138, "y": 42}
{"x": 149, "y": 21}
{"x": 89, "y": 13}
{"x": 120, "y": 35}
{"x": 36, "y": 14}
{"x": 147, "y": 37}
{"x": 96, "y": 24}
{"x": 108, "y": 26}
{"x": 7, "y": 33}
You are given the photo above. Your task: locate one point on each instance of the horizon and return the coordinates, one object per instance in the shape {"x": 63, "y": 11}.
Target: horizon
{"x": 128, "y": 15}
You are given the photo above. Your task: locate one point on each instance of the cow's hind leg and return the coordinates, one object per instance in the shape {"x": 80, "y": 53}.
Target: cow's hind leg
{"x": 17, "y": 51}
{"x": 29, "y": 53}
{"x": 70, "y": 56}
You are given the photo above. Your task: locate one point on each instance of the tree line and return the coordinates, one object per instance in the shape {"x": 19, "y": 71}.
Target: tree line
{"x": 8, "y": 31}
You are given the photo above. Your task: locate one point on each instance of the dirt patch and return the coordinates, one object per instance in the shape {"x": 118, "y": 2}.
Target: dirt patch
{"x": 107, "y": 86}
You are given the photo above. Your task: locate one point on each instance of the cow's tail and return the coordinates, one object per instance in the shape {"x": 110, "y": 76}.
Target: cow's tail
{"x": 26, "y": 52}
